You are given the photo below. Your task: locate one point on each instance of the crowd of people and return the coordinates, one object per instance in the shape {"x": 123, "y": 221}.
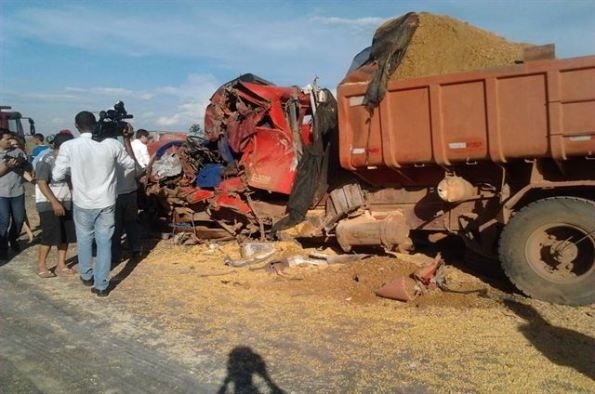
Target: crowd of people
{"x": 85, "y": 193}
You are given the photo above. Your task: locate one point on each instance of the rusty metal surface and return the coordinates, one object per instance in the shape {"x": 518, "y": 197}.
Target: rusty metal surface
{"x": 389, "y": 230}
{"x": 510, "y": 204}
{"x": 530, "y": 110}
{"x": 401, "y": 288}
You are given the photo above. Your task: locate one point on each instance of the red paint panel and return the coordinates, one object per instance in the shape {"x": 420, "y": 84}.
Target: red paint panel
{"x": 268, "y": 161}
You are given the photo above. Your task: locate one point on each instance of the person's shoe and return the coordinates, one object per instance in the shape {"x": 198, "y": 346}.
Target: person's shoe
{"x": 100, "y": 293}
{"x": 87, "y": 282}
{"x": 15, "y": 246}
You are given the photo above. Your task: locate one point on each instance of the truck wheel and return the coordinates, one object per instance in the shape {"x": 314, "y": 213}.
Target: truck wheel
{"x": 548, "y": 250}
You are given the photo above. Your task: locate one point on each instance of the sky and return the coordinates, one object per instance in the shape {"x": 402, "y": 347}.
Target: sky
{"x": 165, "y": 59}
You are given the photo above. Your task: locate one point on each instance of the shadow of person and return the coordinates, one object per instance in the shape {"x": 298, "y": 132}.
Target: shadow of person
{"x": 73, "y": 260}
{"x": 560, "y": 345}
{"x": 242, "y": 365}
{"x": 125, "y": 271}
{"x": 132, "y": 260}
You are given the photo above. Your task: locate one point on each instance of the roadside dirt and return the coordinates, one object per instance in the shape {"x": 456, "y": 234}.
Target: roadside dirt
{"x": 322, "y": 329}
{"x": 479, "y": 335}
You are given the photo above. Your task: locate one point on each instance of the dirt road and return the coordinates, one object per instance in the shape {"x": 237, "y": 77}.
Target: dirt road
{"x": 58, "y": 338}
{"x": 181, "y": 321}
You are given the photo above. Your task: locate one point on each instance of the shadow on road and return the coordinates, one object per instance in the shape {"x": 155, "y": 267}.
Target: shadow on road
{"x": 560, "y": 345}
{"x": 132, "y": 261}
{"x": 22, "y": 247}
{"x": 242, "y": 365}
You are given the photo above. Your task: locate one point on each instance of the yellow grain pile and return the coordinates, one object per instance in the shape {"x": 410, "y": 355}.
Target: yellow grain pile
{"x": 442, "y": 45}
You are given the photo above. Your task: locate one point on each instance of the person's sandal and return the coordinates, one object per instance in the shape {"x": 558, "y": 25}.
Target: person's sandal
{"x": 65, "y": 272}
{"x": 46, "y": 274}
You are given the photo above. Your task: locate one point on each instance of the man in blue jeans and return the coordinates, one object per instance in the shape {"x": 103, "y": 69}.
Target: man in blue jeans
{"x": 92, "y": 166}
{"x": 13, "y": 164}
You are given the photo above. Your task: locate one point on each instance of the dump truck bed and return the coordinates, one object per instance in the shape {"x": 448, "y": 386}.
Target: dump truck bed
{"x": 536, "y": 109}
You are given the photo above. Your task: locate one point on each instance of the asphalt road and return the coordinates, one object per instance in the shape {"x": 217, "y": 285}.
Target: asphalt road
{"x": 56, "y": 337}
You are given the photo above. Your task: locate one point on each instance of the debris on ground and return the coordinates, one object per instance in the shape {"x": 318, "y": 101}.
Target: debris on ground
{"x": 407, "y": 288}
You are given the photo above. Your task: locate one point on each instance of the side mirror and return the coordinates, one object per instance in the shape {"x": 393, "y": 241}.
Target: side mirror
{"x": 31, "y": 126}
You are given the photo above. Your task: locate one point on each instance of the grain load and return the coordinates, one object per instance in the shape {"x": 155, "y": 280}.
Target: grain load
{"x": 442, "y": 45}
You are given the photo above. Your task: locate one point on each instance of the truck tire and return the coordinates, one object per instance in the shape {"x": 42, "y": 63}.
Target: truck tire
{"x": 547, "y": 250}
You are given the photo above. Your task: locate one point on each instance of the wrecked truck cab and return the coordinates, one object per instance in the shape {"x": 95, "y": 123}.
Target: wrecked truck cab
{"x": 263, "y": 126}
{"x": 239, "y": 180}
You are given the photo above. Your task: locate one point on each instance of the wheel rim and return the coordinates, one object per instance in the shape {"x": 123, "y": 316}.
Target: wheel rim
{"x": 561, "y": 252}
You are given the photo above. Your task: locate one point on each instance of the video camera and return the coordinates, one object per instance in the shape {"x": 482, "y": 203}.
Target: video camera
{"x": 22, "y": 161}
{"x": 110, "y": 123}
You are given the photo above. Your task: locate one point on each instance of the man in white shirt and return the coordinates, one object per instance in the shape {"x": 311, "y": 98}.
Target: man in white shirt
{"x": 139, "y": 146}
{"x": 92, "y": 166}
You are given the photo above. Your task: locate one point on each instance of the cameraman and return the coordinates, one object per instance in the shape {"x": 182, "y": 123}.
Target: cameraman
{"x": 13, "y": 164}
{"x": 92, "y": 165}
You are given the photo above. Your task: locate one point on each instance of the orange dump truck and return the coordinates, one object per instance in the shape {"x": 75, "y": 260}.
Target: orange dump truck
{"x": 502, "y": 157}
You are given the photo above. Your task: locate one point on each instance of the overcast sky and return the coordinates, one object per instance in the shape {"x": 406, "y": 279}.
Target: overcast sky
{"x": 165, "y": 59}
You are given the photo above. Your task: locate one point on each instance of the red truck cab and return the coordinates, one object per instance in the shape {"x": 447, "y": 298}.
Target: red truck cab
{"x": 12, "y": 121}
